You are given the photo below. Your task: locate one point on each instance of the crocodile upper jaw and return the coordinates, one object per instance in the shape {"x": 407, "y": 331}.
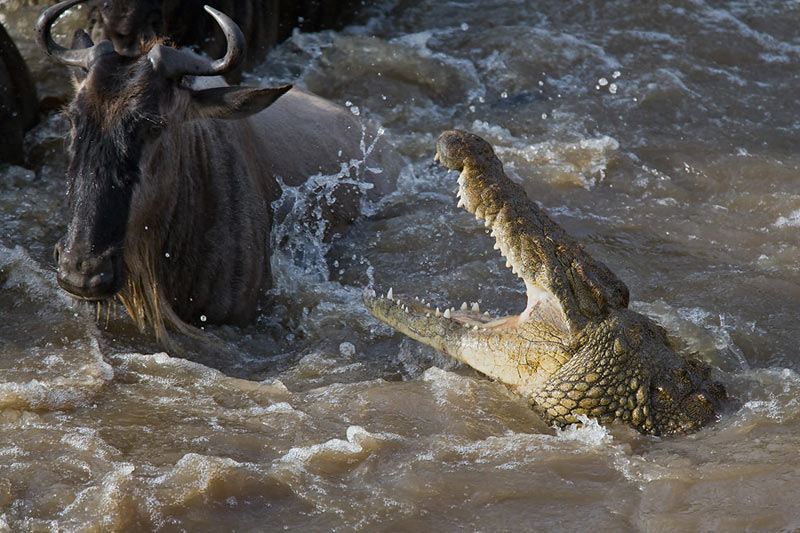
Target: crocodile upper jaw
{"x": 496, "y": 346}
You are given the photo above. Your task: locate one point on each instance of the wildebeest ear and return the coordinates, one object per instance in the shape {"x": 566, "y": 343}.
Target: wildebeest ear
{"x": 233, "y": 102}
{"x": 80, "y": 40}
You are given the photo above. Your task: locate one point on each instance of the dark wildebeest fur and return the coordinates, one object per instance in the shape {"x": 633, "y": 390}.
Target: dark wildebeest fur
{"x": 172, "y": 177}
{"x": 17, "y": 100}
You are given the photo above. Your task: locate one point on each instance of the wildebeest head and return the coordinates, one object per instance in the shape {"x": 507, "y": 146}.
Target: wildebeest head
{"x": 126, "y": 23}
{"x": 122, "y": 107}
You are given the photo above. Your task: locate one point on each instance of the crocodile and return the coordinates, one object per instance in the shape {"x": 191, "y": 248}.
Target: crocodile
{"x": 576, "y": 351}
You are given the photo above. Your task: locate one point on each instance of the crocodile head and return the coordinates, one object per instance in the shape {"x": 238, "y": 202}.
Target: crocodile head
{"x": 575, "y": 350}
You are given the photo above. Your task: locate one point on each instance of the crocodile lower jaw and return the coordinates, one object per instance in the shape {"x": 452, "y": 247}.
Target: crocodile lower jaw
{"x": 467, "y": 315}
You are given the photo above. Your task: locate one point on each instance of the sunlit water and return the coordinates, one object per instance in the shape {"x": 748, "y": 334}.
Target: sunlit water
{"x": 661, "y": 135}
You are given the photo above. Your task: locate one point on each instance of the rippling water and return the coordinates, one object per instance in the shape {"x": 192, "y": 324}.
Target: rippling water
{"x": 662, "y": 135}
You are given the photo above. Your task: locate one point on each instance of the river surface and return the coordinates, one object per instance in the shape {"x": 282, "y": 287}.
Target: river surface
{"x": 662, "y": 135}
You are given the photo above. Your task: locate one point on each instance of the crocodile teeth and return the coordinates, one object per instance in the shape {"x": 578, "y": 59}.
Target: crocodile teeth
{"x": 460, "y": 202}
{"x": 476, "y": 308}
{"x": 447, "y": 313}
{"x": 389, "y": 294}
{"x": 436, "y": 158}
{"x": 464, "y": 306}
{"x": 496, "y": 245}
{"x": 427, "y": 315}
{"x": 475, "y": 326}
{"x": 438, "y": 313}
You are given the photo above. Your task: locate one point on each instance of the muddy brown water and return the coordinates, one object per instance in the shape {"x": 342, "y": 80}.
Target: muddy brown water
{"x": 662, "y": 135}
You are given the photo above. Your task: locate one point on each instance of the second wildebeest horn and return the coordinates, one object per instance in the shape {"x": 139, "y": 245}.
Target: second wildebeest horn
{"x": 83, "y": 57}
{"x": 170, "y": 62}
{"x": 175, "y": 63}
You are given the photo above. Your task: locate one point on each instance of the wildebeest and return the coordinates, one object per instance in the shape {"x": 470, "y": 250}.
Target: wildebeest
{"x": 172, "y": 174}
{"x": 264, "y": 23}
{"x": 17, "y": 100}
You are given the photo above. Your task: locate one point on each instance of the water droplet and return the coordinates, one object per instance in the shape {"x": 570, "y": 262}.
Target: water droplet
{"x": 464, "y": 26}
{"x": 616, "y": 74}
{"x": 203, "y": 318}
{"x": 602, "y": 82}
{"x": 504, "y": 94}
{"x": 544, "y": 116}
{"x": 472, "y": 108}
{"x": 354, "y": 110}
{"x": 166, "y": 254}
{"x": 612, "y": 88}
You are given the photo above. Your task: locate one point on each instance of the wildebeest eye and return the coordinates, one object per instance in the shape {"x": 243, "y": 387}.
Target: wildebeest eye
{"x": 155, "y": 129}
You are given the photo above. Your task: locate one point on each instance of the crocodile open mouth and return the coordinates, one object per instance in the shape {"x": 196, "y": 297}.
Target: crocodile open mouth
{"x": 487, "y": 203}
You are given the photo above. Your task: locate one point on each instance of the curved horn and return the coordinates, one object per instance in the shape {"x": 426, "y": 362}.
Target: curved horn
{"x": 175, "y": 63}
{"x": 77, "y": 58}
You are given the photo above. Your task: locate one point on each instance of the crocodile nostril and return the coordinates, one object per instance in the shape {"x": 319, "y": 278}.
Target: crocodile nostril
{"x": 57, "y": 249}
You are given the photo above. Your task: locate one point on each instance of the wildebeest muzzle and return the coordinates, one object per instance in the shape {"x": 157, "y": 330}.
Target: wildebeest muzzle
{"x": 86, "y": 275}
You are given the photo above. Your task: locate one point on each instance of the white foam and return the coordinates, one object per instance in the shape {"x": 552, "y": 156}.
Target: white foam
{"x": 584, "y": 161}
{"x": 589, "y": 432}
{"x": 356, "y": 438}
{"x": 499, "y": 133}
{"x": 792, "y": 220}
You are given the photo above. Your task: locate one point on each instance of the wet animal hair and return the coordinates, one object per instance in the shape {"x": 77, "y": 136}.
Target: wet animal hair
{"x": 147, "y": 304}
